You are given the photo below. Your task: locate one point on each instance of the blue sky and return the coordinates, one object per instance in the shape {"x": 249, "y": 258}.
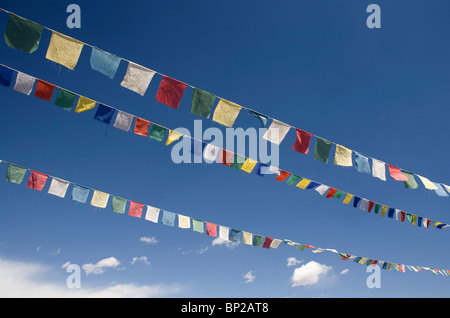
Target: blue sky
{"x": 316, "y": 66}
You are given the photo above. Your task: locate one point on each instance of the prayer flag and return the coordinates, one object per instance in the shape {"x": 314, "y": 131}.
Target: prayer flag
{"x": 211, "y": 229}
{"x": 283, "y": 175}
{"x": 137, "y": 78}
{"x": 197, "y": 226}
{"x": 123, "y": 121}
{"x": 168, "y": 218}
{"x": 321, "y": 189}
{"x": 234, "y": 235}
{"x": 293, "y": 179}
{"x": 210, "y": 153}
{"x": 391, "y": 213}
{"x": 173, "y": 136}
{"x": 157, "y": 132}
{"x": 378, "y": 169}
{"x": 302, "y": 141}
{"x": 80, "y": 194}
{"x": 84, "y": 104}
{"x": 141, "y": 127}
{"x": 338, "y": 194}
{"x": 135, "y": 209}
{"x": 371, "y": 204}
{"x": 343, "y": 156}
{"x": 377, "y": 208}
{"x": 348, "y": 198}
{"x": 440, "y": 190}
{"x": 238, "y": 162}
{"x": 304, "y": 183}
{"x": 224, "y": 232}
{"x": 24, "y": 83}
{"x": 226, "y": 157}
{"x": 152, "y": 214}
{"x": 58, "y": 187}
{"x": 37, "y": 180}
{"x": 99, "y": 199}
{"x": 15, "y": 174}
{"x": 267, "y": 242}
{"x": 331, "y": 193}
{"x": 22, "y": 34}
{"x": 104, "y": 62}
{"x": 248, "y": 165}
{"x": 65, "y": 99}
{"x": 118, "y": 205}
{"x": 276, "y": 132}
{"x": 322, "y": 150}
{"x": 312, "y": 185}
{"x": 184, "y": 222}
{"x": 44, "y": 90}
{"x": 275, "y": 243}
{"x": 257, "y": 240}
{"x": 363, "y": 205}
{"x": 411, "y": 183}
{"x": 6, "y": 75}
{"x": 247, "y": 238}
{"x": 356, "y": 201}
{"x": 170, "y": 92}
{"x": 383, "y": 210}
{"x": 362, "y": 163}
{"x": 396, "y": 174}
{"x": 427, "y": 183}
{"x": 104, "y": 114}
{"x": 64, "y": 50}
{"x": 202, "y": 103}
{"x": 226, "y": 112}
{"x": 262, "y": 119}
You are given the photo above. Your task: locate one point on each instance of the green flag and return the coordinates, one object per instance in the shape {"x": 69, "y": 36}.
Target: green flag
{"x": 15, "y": 173}
{"x": 197, "y": 225}
{"x": 338, "y": 194}
{"x": 322, "y": 150}
{"x": 257, "y": 240}
{"x": 65, "y": 99}
{"x": 22, "y": 34}
{"x": 293, "y": 179}
{"x": 238, "y": 162}
{"x": 118, "y": 204}
{"x": 411, "y": 183}
{"x": 202, "y": 103}
{"x": 157, "y": 132}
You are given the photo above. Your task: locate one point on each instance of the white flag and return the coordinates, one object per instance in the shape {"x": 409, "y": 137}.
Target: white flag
{"x": 58, "y": 187}
{"x": 379, "y": 169}
{"x": 276, "y": 132}
{"x": 152, "y": 214}
{"x": 137, "y": 78}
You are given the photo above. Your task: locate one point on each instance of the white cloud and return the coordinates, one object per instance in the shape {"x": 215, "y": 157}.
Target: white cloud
{"x": 100, "y": 267}
{"x": 309, "y": 274}
{"x": 249, "y": 277}
{"x": 26, "y": 280}
{"x": 142, "y": 259}
{"x": 345, "y": 271}
{"x": 148, "y": 240}
{"x": 221, "y": 241}
{"x": 292, "y": 261}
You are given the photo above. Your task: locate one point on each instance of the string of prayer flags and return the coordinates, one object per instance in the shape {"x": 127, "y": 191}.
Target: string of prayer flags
{"x": 379, "y": 169}
{"x": 65, "y": 99}
{"x": 104, "y": 114}
{"x": 322, "y": 150}
{"x": 277, "y": 132}
{"x": 58, "y": 187}
{"x": 396, "y": 173}
{"x": 226, "y": 112}
{"x": 123, "y": 121}
{"x": 6, "y": 75}
{"x": 170, "y": 92}
{"x": 22, "y": 34}
{"x": 84, "y": 104}
{"x": 141, "y": 127}
{"x": 15, "y": 174}
{"x": 302, "y": 141}
{"x": 261, "y": 118}
{"x": 157, "y": 132}
{"x": 202, "y": 103}
{"x": 64, "y": 50}
{"x": 343, "y": 156}
{"x": 80, "y": 193}
{"x": 135, "y": 209}
{"x": 137, "y": 78}
{"x": 118, "y": 204}
{"x": 362, "y": 163}
{"x": 44, "y": 90}
{"x": 37, "y": 180}
{"x": 104, "y": 62}
{"x": 24, "y": 83}
{"x": 100, "y": 199}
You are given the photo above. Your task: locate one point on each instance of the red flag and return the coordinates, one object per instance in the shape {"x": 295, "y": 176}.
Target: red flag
{"x": 170, "y": 92}
{"x": 141, "y": 127}
{"x": 226, "y": 157}
{"x": 135, "y": 209}
{"x": 302, "y": 142}
{"x": 267, "y": 242}
{"x": 397, "y": 174}
{"x": 283, "y": 175}
{"x": 37, "y": 180}
{"x": 371, "y": 204}
{"x": 402, "y": 216}
{"x": 331, "y": 193}
{"x": 44, "y": 90}
{"x": 211, "y": 229}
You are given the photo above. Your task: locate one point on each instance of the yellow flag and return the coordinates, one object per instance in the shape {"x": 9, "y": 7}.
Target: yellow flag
{"x": 84, "y": 104}
{"x": 100, "y": 199}
{"x": 304, "y": 183}
{"x": 173, "y": 136}
{"x": 64, "y": 50}
{"x": 383, "y": 210}
{"x": 247, "y": 238}
{"x": 427, "y": 183}
{"x": 362, "y": 260}
{"x": 348, "y": 198}
{"x": 248, "y": 165}
{"x": 343, "y": 156}
{"x": 226, "y": 112}
{"x": 184, "y": 222}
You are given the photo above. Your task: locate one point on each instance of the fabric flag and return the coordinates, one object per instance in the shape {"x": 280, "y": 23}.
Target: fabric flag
{"x": 362, "y": 163}
{"x": 249, "y": 165}
{"x": 84, "y": 104}
{"x": 170, "y": 92}
{"x": 275, "y": 243}
{"x": 100, "y": 199}
{"x": 65, "y": 99}
{"x": 402, "y": 216}
{"x": 261, "y": 118}
{"x": 104, "y": 62}
{"x": 322, "y": 150}
{"x": 37, "y": 180}
{"x": 339, "y": 194}
{"x": 141, "y": 127}
{"x": 238, "y": 162}
{"x": 152, "y": 214}
{"x": 356, "y": 200}
{"x": 363, "y": 205}
{"x": 197, "y": 226}
{"x": 173, "y": 136}
{"x": 267, "y": 242}
{"x": 210, "y": 153}
{"x": 343, "y": 156}
{"x": 331, "y": 192}
{"x": 137, "y": 78}
{"x": 383, "y": 210}
{"x": 226, "y": 112}
{"x": 118, "y": 205}
{"x": 348, "y": 198}
{"x": 321, "y": 189}
{"x": 302, "y": 141}
{"x": 379, "y": 169}
{"x": 276, "y": 132}
{"x": 202, "y": 103}
{"x": 15, "y": 174}
{"x": 312, "y": 185}
{"x": 168, "y": 218}
{"x": 123, "y": 121}
{"x": 391, "y": 212}
{"x": 211, "y": 229}
{"x": 6, "y": 75}
{"x": 304, "y": 183}
{"x": 440, "y": 190}
{"x": 104, "y": 114}
{"x": 234, "y": 235}
{"x": 58, "y": 187}
{"x": 64, "y": 50}
{"x": 224, "y": 232}
{"x": 370, "y": 207}
{"x": 44, "y": 90}
{"x": 427, "y": 183}
{"x": 293, "y": 179}
{"x": 445, "y": 186}
{"x": 24, "y": 83}
{"x": 377, "y": 208}
{"x": 135, "y": 209}
{"x": 283, "y": 175}
{"x": 411, "y": 183}
{"x": 247, "y": 238}
{"x": 257, "y": 240}
{"x": 80, "y": 194}
{"x": 226, "y": 157}
{"x": 22, "y": 34}
{"x": 184, "y": 222}
{"x": 396, "y": 173}
{"x": 157, "y": 133}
